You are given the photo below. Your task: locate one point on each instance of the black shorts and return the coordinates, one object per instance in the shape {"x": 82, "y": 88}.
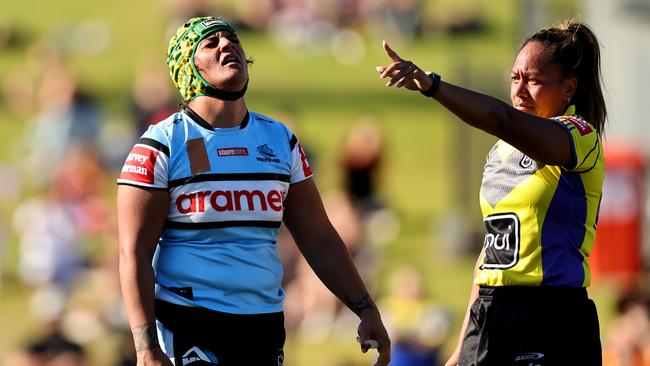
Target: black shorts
{"x": 207, "y": 337}
{"x": 532, "y": 326}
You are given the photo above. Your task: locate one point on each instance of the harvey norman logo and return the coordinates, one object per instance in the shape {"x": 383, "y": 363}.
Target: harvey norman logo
{"x": 139, "y": 165}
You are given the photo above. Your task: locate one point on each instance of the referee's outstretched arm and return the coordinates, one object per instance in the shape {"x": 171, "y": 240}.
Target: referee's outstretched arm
{"x": 539, "y": 138}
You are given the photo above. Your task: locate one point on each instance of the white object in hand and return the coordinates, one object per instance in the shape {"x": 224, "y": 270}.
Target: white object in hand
{"x": 370, "y": 343}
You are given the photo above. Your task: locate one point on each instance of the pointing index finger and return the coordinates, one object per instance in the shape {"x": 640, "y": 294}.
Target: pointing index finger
{"x": 392, "y": 54}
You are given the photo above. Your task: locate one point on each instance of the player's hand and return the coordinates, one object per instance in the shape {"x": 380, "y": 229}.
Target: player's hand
{"x": 153, "y": 357}
{"x": 403, "y": 73}
{"x": 372, "y": 328}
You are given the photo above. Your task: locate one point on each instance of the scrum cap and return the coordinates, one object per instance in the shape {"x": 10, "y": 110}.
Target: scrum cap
{"x": 180, "y": 58}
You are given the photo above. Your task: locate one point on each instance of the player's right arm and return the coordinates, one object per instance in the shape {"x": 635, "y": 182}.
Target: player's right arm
{"x": 141, "y": 215}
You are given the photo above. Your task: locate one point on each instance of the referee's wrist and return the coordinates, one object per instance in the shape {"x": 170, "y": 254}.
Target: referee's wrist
{"x": 435, "y": 85}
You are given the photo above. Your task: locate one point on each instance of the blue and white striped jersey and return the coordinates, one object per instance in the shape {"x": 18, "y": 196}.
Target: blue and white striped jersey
{"x": 227, "y": 188}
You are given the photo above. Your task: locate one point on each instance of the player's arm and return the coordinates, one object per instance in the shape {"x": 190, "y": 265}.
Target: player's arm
{"x": 455, "y": 356}
{"x": 542, "y": 139}
{"x": 141, "y": 215}
{"x": 327, "y": 255}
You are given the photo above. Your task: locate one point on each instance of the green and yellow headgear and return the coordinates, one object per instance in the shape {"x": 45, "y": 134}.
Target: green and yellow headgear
{"x": 180, "y": 59}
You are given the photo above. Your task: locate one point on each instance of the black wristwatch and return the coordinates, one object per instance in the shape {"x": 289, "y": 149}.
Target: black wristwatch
{"x": 435, "y": 85}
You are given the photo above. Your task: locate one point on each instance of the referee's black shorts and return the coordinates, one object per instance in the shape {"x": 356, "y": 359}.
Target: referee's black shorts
{"x": 198, "y": 336}
{"x": 532, "y": 326}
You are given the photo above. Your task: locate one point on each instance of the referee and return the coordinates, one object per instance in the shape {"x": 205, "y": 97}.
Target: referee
{"x": 539, "y": 196}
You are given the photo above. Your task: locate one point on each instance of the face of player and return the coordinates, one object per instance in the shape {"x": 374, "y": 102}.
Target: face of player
{"x": 222, "y": 62}
{"x": 537, "y": 86}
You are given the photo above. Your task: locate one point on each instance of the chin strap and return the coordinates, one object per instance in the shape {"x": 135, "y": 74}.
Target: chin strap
{"x": 225, "y": 95}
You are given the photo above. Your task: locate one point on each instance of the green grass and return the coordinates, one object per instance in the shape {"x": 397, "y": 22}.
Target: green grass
{"x": 433, "y": 163}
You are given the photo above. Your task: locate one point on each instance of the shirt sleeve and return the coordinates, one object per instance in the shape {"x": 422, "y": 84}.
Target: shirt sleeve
{"x": 585, "y": 143}
{"x": 300, "y": 169}
{"x": 147, "y": 164}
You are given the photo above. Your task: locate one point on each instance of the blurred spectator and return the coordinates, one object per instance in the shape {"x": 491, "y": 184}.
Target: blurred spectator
{"x": 52, "y": 225}
{"x": 399, "y": 18}
{"x": 51, "y": 349}
{"x": 19, "y": 93}
{"x": 628, "y": 340}
{"x": 361, "y": 162}
{"x": 418, "y": 328}
{"x": 66, "y": 118}
{"x": 256, "y": 14}
{"x": 48, "y": 239}
{"x": 12, "y": 35}
{"x": 310, "y": 308}
{"x": 348, "y": 13}
{"x": 152, "y": 96}
{"x": 300, "y": 24}
{"x": 180, "y": 10}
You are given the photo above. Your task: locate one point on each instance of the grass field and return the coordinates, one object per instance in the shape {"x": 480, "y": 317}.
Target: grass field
{"x": 433, "y": 163}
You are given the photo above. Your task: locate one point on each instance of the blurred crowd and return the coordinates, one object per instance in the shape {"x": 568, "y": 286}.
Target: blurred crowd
{"x": 58, "y": 184}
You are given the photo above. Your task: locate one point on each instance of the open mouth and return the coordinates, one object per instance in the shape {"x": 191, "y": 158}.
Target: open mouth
{"x": 230, "y": 59}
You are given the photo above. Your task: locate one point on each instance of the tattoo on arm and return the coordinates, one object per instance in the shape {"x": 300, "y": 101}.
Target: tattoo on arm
{"x": 145, "y": 337}
{"x": 361, "y": 305}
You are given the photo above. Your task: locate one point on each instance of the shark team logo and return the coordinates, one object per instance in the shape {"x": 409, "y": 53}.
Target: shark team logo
{"x": 266, "y": 154}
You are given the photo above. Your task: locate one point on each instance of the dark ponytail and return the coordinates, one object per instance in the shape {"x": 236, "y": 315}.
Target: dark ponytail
{"x": 574, "y": 46}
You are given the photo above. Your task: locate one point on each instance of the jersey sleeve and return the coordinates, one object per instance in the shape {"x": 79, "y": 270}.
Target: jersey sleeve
{"x": 146, "y": 165}
{"x": 585, "y": 143}
{"x": 300, "y": 169}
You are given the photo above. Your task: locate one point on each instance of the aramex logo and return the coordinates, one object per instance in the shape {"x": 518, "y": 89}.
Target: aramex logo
{"x": 222, "y": 201}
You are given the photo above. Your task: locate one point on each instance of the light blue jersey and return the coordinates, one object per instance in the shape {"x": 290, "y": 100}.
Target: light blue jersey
{"x": 227, "y": 188}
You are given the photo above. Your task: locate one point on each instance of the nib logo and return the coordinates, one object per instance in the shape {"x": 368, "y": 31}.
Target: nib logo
{"x": 195, "y": 354}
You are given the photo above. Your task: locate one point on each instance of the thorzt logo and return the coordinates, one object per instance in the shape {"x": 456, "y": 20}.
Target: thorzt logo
{"x": 501, "y": 241}
{"x": 222, "y": 201}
